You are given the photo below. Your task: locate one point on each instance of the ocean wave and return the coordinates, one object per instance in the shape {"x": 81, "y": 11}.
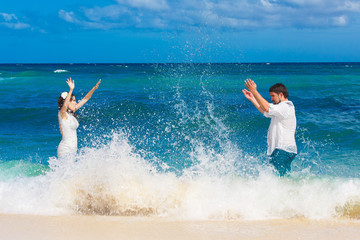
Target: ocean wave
{"x": 113, "y": 179}
{"x": 60, "y": 71}
{"x": 17, "y": 169}
{"x": 7, "y": 78}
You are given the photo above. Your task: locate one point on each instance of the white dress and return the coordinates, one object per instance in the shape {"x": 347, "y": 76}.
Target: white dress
{"x": 68, "y": 144}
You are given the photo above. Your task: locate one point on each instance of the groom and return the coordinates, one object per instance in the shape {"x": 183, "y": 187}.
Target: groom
{"x": 281, "y": 134}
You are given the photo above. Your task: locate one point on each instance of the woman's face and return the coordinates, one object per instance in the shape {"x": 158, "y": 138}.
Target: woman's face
{"x": 72, "y": 104}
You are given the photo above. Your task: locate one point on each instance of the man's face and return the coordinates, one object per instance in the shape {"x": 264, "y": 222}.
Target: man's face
{"x": 275, "y": 98}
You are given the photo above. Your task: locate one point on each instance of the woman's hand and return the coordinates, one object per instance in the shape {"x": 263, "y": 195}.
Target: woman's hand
{"x": 97, "y": 85}
{"x": 71, "y": 83}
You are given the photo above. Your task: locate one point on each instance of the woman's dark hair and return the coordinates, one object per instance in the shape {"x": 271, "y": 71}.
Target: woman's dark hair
{"x": 279, "y": 88}
{"x": 61, "y": 103}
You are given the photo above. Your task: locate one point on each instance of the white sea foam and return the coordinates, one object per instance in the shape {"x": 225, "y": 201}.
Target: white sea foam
{"x": 60, "y": 71}
{"x": 114, "y": 180}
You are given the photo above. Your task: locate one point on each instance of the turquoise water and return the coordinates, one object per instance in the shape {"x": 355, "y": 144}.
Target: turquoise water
{"x": 186, "y": 123}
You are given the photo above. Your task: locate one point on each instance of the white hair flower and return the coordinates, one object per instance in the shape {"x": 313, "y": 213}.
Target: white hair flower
{"x": 64, "y": 95}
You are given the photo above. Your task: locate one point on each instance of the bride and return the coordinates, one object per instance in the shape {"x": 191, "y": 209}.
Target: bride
{"x": 67, "y": 119}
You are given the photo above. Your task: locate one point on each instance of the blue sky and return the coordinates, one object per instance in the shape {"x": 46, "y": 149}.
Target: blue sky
{"x": 132, "y": 31}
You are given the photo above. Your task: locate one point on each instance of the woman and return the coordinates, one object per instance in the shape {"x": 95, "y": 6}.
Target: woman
{"x": 67, "y": 119}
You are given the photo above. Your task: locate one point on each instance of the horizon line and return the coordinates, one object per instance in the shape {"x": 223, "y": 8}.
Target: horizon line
{"x": 136, "y": 63}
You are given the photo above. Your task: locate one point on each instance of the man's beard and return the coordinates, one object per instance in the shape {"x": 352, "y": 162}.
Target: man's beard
{"x": 277, "y": 102}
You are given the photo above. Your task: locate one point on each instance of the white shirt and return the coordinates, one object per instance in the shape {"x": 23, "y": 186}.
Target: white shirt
{"x": 281, "y": 133}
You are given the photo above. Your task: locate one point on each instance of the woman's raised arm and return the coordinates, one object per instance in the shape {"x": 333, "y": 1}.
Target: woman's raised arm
{"x": 87, "y": 96}
{"x": 63, "y": 109}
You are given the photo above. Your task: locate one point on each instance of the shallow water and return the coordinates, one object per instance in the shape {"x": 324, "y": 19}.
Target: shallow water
{"x": 179, "y": 140}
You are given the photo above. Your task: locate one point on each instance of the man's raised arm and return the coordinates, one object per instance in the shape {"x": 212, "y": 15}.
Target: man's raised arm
{"x": 249, "y": 96}
{"x": 264, "y": 105}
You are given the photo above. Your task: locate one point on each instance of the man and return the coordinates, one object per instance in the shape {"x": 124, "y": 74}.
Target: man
{"x": 281, "y": 134}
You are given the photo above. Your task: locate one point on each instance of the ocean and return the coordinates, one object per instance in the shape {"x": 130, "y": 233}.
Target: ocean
{"x": 179, "y": 141}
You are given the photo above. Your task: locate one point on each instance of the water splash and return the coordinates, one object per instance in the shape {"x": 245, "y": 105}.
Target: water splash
{"x": 115, "y": 180}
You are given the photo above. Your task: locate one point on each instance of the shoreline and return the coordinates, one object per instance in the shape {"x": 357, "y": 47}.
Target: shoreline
{"x": 73, "y": 227}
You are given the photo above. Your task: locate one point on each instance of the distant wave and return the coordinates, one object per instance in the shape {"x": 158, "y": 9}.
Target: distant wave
{"x": 60, "y": 71}
{"x": 7, "y": 78}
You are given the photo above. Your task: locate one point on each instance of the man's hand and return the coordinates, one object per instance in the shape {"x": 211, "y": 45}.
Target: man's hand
{"x": 251, "y": 85}
{"x": 254, "y": 96}
{"x": 249, "y": 96}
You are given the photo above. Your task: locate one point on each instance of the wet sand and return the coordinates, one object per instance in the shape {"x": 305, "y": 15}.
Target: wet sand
{"x": 31, "y": 227}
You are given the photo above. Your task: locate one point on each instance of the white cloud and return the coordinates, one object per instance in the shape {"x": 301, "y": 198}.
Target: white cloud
{"x": 68, "y": 16}
{"x": 351, "y": 6}
{"x": 147, "y": 4}
{"x": 8, "y": 17}
{"x": 92, "y": 21}
{"x": 267, "y": 3}
{"x": 230, "y": 14}
{"x": 340, "y": 21}
{"x": 111, "y": 13}
{"x": 15, "y": 26}
{"x": 11, "y": 21}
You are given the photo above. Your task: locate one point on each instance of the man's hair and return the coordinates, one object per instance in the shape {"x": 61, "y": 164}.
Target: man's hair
{"x": 279, "y": 88}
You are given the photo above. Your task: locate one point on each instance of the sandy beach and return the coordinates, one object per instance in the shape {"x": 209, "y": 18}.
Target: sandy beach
{"x": 33, "y": 227}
